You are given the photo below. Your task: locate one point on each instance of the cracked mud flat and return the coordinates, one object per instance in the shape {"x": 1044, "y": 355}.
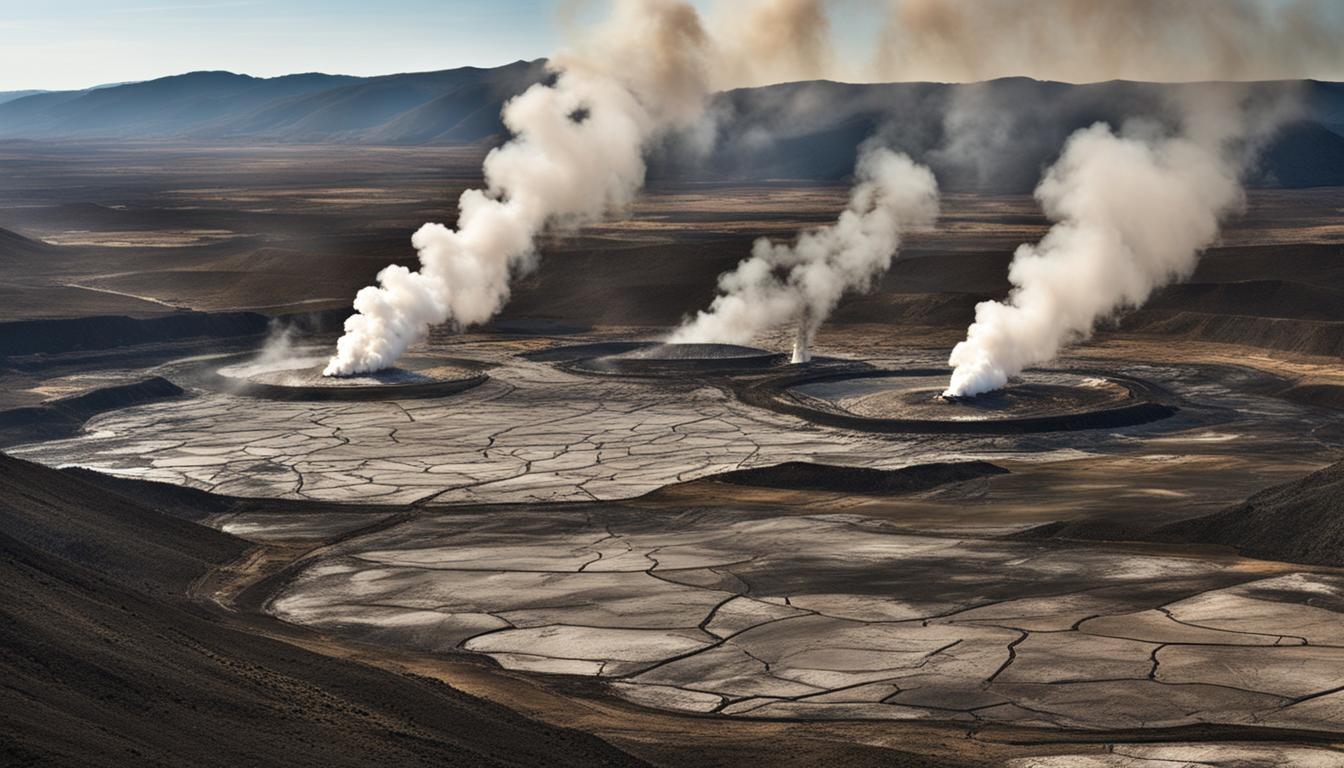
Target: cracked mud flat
{"x": 714, "y": 608}
{"x": 530, "y": 433}
{"x": 535, "y": 433}
{"x": 1191, "y": 756}
{"x": 843, "y": 617}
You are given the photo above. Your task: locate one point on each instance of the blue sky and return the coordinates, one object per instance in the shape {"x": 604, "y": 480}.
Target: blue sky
{"x": 57, "y": 44}
{"x": 63, "y": 44}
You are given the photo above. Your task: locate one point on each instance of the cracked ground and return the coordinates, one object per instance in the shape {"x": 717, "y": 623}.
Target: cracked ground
{"x": 531, "y": 433}
{"x": 842, "y": 617}
{"x": 828, "y": 613}
{"x": 534, "y": 433}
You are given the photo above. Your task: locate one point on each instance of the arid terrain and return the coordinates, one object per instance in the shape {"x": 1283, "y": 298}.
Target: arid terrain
{"x": 594, "y": 555}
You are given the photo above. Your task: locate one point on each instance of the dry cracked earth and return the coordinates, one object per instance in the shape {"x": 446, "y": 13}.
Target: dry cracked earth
{"x": 533, "y": 433}
{"x": 839, "y": 617}
{"x": 716, "y": 603}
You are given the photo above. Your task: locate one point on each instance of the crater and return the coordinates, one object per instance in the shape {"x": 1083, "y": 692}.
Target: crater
{"x": 299, "y": 377}
{"x": 912, "y": 401}
{"x": 656, "y": 359}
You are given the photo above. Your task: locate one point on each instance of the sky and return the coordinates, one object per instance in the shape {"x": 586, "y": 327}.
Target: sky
{"x": 72, "y": 44}
{"x": 65, "y": 44}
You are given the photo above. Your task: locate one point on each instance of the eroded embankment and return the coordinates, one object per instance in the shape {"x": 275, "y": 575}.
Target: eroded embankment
{"x": 66, "y": 416}
{"x": 107, "y": 663}
{"x": 1301, "y": 522}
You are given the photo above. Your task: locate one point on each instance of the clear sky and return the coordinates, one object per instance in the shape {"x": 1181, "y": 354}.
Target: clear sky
{"x": 61, "y": 44}
{"x": 69, "y": 44}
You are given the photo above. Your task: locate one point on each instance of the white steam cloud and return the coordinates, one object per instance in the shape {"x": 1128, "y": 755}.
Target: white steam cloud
{"x": 1097, "y": 40}
{"x": 578, "y": 145}
{"x": 576, "y": 153}
{"x": 1133, "y": 212}
{"x": 802, "y": 282}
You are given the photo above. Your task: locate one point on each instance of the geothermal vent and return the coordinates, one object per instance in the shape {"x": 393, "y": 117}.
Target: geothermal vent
{"x": 300, "y": 377}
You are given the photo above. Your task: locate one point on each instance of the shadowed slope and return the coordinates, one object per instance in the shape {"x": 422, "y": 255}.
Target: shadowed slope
{"x": 105, "y": 663}
{"x": 66, "y": 416}
{"x": 802, "y": 475}
{"x": 1299, "y": 522}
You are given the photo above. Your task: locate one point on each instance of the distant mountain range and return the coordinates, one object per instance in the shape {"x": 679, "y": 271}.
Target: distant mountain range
{"x": 12, "y": 95}
{"x": 994, "y": 136}
{"x": 452, "y": 106}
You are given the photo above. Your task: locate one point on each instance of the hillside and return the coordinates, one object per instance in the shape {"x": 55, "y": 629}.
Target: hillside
{"x": 12, "y": 95}
{"x": 993, "y": 136}
{"x": 106, "y": 663}
{"x": 1298, "y": 522}
{"x": 167, "y": 107}
{"x": 220, "y": 106}
{"x": 17, "y": 249}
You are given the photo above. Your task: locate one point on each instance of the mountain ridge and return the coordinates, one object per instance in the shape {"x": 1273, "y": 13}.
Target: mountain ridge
{"x": 807, "y": 130}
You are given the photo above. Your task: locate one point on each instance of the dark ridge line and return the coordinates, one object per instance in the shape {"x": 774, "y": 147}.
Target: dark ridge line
{"x": 809, "y": 476}
{"x": 66, "y": 417}
{"x": 85, "y": 334}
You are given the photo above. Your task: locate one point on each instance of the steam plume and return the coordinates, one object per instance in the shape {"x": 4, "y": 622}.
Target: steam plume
{"x": 804, "y": 281}
{"x": 1133, "y": 211}
{"x": 1096, "y": 40}
{"x": 773, "y": 41}
{"x": 577, "y": 152}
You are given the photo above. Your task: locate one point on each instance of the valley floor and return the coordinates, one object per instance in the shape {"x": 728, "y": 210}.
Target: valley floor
{"x": 569, "y": 528}
{"x": 554, "y": 567}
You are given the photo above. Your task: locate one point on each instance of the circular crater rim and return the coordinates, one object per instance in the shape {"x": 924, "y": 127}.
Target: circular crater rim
{"x": 1134, "y": 402}
{"x": 417, "y": 376}
{"x": 652, "y": 359}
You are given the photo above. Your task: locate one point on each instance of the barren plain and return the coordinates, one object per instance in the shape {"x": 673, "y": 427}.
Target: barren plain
{"x": 714, "y": 565}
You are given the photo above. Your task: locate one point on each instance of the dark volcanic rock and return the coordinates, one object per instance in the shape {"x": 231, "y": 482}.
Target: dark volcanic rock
{"x": 64, "y": 417}
{"x": 106, "y": 662}
{"x": 165, "y": 498}
{"x": 1320, "y": 395}
{"x": 86, "y": 526}
{"x": 27, "y": 337}
{"x": 1299, "y": 522}
{"x": 802, "y": 475}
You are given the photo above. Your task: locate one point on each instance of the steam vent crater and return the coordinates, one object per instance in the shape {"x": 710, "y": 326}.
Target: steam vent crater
{"x": 654, "y": 359}
{"x": 1036, "y": 401}
{"x": 300, "y": 378}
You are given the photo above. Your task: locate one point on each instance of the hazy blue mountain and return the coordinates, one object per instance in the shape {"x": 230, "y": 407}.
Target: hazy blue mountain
{"x": 414, "y": 108}
{"x": 162, "y": 108}
{"x": 993, "y": 136}
{"x": 12, "y": 95}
